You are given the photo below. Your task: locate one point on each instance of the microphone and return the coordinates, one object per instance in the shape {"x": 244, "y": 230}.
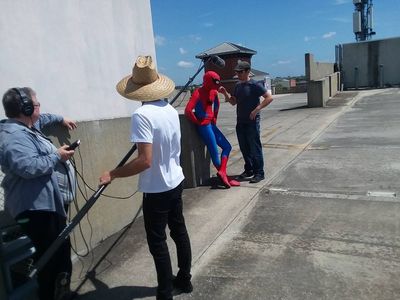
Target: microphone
{"x": 218, "y": 61}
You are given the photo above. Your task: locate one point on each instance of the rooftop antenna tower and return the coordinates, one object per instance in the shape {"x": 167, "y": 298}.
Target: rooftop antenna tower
{"x": 362, "y": 19}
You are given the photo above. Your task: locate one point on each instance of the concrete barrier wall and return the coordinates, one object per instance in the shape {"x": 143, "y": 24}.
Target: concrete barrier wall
{"x": 323, "y": 82}
{"x": 371, "y": 63}
{"x": 195, "y": 159}
{"x": 73, "y": 53}
{"x": 317, "y": 70}
{"x": 318, "y": 92}
{"x": 334, "y": 83}
{"x": 103, "y": 145}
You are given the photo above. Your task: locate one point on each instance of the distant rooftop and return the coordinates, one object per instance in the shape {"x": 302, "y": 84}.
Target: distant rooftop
{"x": 224, "y": 49}
{"x": 255, "y": 73}
{"x": 258, "y": 72}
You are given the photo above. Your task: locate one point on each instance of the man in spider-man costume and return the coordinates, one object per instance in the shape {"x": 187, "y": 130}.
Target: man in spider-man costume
{"x": 202, "y": 110}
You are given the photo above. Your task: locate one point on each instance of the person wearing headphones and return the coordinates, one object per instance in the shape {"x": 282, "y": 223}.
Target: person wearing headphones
{"x": 35, "y": 189}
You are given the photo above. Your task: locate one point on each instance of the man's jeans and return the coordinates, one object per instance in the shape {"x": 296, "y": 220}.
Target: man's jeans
{"x": 248, "y": 135}
{"x": 160, "y": 209}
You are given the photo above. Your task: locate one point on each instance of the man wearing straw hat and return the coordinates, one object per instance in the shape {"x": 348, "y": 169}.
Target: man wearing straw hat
{"x": 156, "y": 131}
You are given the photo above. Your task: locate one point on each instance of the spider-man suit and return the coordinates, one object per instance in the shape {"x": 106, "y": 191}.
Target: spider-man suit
{"x": 205, "y": 103}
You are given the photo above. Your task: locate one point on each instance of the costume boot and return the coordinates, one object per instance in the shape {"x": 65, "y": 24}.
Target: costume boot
{"x": 222, "y": 172}
{"x": 234, "y": 182}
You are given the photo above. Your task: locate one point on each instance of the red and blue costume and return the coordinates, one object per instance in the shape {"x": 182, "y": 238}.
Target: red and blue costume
{"x": 202, "y": 109}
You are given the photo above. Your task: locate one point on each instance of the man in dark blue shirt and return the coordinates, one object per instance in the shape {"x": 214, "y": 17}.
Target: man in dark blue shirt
{"x": 246, "y": 96}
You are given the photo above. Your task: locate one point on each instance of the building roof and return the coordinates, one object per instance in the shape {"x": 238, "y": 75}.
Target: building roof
{"x": 259, "y": 73}
{"x": 255, "y": 74}
{"x": 225, "y": 48}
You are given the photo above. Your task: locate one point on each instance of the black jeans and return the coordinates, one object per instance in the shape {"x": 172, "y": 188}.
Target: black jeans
{"x": 160, "y": 209}
{"x": 43, "y": 227}
{"x": 248, "y": 135}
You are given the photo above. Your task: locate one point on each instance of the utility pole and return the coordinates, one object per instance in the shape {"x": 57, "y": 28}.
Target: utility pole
{"x": 362, "y": 19}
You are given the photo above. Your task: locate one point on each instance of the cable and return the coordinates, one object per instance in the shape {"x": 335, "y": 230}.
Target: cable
{"x": 105, "y": 195}
{"x": 83, "y": 192}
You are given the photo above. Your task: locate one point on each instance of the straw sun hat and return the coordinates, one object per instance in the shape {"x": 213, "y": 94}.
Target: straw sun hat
{"x": 145, "y": 84}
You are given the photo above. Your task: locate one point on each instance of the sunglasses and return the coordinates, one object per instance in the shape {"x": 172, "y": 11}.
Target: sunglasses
{"x": 240, "y": 72}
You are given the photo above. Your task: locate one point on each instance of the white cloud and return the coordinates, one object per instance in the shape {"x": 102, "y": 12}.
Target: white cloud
{"x": 185, "y": 64}
{"x": 195, "y": 38}
{"x": 341, "y": 20}
{"x": 208, "y": 24}
{"x": 340, "y": 2}
{"x": 283, "y": 62}
{"x": 159, "y": 40}
{"x": 309, "y": 38}
{"x": 329, "y": 35}
{"x": 182, "y": 51}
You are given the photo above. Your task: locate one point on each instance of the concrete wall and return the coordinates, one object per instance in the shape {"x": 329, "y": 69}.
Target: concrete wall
{"x": 195, "y": 159}
{"x": 370, "y": 63}
{"x": 323, "y": 81}
{"x": 73, "y": 53}
{"x": 318, "y": 92}
{"x": 103, "y": 145}
{"x": 316, "y": 70}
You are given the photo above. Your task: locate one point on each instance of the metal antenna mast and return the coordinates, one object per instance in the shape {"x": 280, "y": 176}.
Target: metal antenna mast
{"x": 362, "y": 19}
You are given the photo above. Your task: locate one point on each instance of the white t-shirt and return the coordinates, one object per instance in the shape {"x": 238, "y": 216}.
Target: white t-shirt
{"x": 157, "y": 123}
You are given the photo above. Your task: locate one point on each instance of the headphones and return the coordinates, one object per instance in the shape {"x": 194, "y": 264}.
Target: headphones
{"x": 26, "y": 106}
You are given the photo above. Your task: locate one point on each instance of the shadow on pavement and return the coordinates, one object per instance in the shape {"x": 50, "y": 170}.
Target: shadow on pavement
{"x": 102, "y": 291}
{"x": 293, "y": 108}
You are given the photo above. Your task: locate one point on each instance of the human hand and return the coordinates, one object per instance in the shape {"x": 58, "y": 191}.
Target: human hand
{"x": 203, "y": 122}
{"x": 222, "y": 90}
{"x": 65, "y": 154}
{"x": 105, "y": 178}
{"x": 253, "y": 114}
{"x": 70, "y": 124}
{"x": 214, "y": 121}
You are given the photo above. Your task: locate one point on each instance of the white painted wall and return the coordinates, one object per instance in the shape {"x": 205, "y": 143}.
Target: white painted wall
{"x": 74, "y": 52}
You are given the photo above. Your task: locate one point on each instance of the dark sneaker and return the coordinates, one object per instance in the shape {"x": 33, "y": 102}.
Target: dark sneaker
{"x": 256, "y": 178}
{"x": 246, "y": 175}
{"x": 181, "y": 286}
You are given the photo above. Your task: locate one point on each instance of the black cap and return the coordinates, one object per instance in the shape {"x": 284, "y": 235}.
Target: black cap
{"x": 242, "y": 65}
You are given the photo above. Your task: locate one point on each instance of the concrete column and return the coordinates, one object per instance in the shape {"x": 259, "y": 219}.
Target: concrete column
{"x": 318, "y": 92}
{"x": 195, "y": 159}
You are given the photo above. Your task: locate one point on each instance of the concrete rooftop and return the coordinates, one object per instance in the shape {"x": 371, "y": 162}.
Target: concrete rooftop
{"x": 325, "y": 223}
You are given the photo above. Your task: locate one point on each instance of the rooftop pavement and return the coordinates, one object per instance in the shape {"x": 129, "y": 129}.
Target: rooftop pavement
{"x": 323, "y": 225}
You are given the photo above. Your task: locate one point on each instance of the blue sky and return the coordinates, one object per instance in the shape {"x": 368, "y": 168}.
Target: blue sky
{"x": 280, "y": 31}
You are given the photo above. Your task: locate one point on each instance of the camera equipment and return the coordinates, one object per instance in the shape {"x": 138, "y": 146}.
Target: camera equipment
{"x": 74, "y": 145}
